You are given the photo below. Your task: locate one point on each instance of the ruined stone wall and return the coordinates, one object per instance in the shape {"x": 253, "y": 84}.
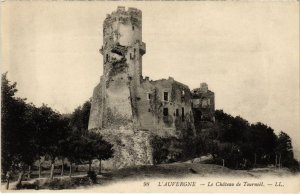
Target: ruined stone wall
{"x": 151, "y": 107}
{"x": 203, "y": 107}
{"x": 131, "y": 147}
{"x": 205, "y": 103}
{"x": 118, "y": 102}
{"x": 146, "y": 114}
{"x": 97, "y": 106}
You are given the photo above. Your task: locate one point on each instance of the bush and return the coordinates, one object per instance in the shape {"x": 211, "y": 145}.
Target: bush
{"x": 92, "y": 176}
{"x": 34, "y": 185}
{"x": 58, "y": 184}
{"x": 70, "y": 183}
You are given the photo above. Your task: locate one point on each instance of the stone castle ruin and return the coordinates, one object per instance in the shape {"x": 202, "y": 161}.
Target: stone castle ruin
{"x": 129, "y": 109}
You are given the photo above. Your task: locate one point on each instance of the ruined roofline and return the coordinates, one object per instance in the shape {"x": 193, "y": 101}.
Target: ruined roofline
{"x": 164, "y": 80}
{"x": 199, "y": 92}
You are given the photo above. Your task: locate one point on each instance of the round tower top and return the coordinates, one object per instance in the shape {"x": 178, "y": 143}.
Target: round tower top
{"x": 132, "y": 15}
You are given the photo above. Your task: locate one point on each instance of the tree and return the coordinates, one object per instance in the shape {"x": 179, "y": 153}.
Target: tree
{"x": 284, "y": 152}
{"x": 80, "y": 117}
{"x": 74, "y": 149}
{"x": 17, "y": 133}
{"x": 87, "y": 147}
{"x": 51, "y": 130}
{"x": 63, "y": 141}
{"x": 160, "y": 151}
{"x": 104, "y": 150}
{"x": 263, "y": 140}
{"x": 255, "y": 142}
{"x": 96, "y": 148}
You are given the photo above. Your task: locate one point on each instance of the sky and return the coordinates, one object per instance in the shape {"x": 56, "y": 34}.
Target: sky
{"x": 247, "y": 53}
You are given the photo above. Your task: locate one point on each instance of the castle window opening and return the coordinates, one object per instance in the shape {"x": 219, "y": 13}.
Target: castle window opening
{"x": 182, "y": 113}
{"x": 177, "y": 112}
{"x": 106, "y": 58}
{"x": 148, "y": 96}
{"x": 166, "y": 96}
{"x": 132, "y": 27}
{"x": 166, "y": 111}
{"x": 133, "y": 53}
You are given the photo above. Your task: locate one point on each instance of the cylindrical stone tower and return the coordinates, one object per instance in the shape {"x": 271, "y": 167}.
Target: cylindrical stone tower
{"x": 122, "y": 42}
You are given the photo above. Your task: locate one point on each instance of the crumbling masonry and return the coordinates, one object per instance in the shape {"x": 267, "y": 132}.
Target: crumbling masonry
{"x": 128, "y": 109}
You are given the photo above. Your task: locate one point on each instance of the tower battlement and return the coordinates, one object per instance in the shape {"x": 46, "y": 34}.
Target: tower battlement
{"x": 131, "y": 16}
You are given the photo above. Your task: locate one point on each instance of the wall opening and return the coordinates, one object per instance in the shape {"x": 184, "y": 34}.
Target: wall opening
{"x": 134, "y": 53}
{"x": 177, "y": 112}
{"x": 148, "y": 96}
{"x": 182, "y": 113}
{"x": 166, "y": 96}
{"x": 166, "y": 111}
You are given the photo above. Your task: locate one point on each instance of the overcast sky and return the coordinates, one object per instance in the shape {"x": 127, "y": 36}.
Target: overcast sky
{"x": 248, "y": 53}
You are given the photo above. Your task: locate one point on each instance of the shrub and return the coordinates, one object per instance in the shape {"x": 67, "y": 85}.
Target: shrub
{"x": 92, "y": 176}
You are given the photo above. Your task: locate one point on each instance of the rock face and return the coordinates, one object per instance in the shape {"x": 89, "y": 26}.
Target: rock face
{"x": 132, "y": 147}
{"x": 127, "y": 109}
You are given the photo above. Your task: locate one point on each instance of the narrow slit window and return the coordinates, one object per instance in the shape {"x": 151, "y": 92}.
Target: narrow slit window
{"x": 182, "y": 113}
{"x": 106, "y": 58}
{"x": 166, "y": 111}
{"x": 134, "y": 53}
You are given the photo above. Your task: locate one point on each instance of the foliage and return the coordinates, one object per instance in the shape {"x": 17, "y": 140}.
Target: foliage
{"x": 284, "y": 152}
{"x": 16, "y": 132}
{"x": 231, "y": 140}
{"x": 160, "y": 151}
{"x": 242, "y": 145}
{"x": 30, "y": 132}
{"x": 92, "y": 176}
{"x": 79, "y": 119}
